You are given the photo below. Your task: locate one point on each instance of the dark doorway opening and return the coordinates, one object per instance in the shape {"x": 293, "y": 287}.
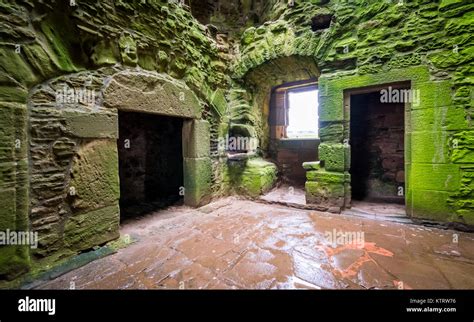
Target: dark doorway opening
{"x": 377, "y": 148}
{"x": 150, "y": 162}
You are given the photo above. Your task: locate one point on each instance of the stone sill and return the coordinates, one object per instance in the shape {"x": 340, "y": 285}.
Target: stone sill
{"x": 300, "y": 139}
{"x": 240, "y": 156}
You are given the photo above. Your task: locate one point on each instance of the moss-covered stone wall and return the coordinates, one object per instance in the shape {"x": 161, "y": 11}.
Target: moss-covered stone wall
{"x": 153, "y": 56}
{"x": 355, "y": 44}
{"x": 66, "y": 67}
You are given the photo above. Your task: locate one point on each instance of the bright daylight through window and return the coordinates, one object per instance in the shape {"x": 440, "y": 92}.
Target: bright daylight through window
{"x": 303, "y": 113}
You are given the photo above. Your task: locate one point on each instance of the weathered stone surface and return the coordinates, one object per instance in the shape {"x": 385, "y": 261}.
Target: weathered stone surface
{"x": 462, "y": 200}
{"x": 252, "y": 177}
{"x": 91, "y": 125}
{"x": 434, "y": 94}
{"x": 331, "y": 132}
{"x": 336, "y": 157}
{"x": 428, "y": 44}
{"x": 94, "y": 176}
{"x": 197, "y": 181}
{"x": 219, "y": 102}
{"x": 327, "y": 189}
{"x": 316, "y": 165}
{"x": 462, "y": 147}
{"x": 196, "y": 139}
{"x": 93, "y": 228}
{"x": 441, "y": 177}
{"x": 14, "y": 261}
{"x": 7, "y": 209}
{"x": 429, "y": 147}
{"x": 151, "y": 93}
{"x": 431, "y": 204}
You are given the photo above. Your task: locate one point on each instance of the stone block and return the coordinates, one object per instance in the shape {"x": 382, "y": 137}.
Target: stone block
{"x": 462, "y": 147}
{"x": 196, "y": 139}
{"x": 334, "y": 84}
{"x": 433, "y": 94}
{"x": 152, "y": 93}
{"x": 316, "y": 165}
{"x": 95, "y": 180}
{"x": 328, "y": 189}
{"x": 86, "y": 230}
{"x": 22, "y": 206}
{"x": 447, "y": 59}
{"x": 8, "y": 209}
{"x": 331, "y": 107}
{"x": 326, "y": 195}
{"x": 7, "y": 133}
{"x": 431, "y": 205}
{"x": 439, "y": 177}
{"x": 331, "y": 132}
{"x": 328, "y": 177}
{"x": 429, "y": 147}
{"x": 336, "y": 157}
{"x": 258, "y": 177}
{"x": 197, "y": 181}
{"x": 14, "y": 261}
{"x": 219, "y": 102}
{"x": 440, "y": 118}
{"x": 91, "y": 125}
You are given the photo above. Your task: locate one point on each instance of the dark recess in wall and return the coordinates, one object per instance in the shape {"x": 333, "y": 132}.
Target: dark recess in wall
{"x": 150, "y": 162}
{"x": 377, "y": 148}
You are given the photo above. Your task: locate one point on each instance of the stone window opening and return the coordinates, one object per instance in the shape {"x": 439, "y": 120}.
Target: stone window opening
{"x": 294, "y": 129}
{"x": 302, "y": 113}
{"x": 294, "y": 111}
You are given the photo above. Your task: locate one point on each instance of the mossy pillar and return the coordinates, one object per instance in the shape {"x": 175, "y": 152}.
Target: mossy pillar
{"x": 14, "y": 259}
{"x": 197, "y": 166}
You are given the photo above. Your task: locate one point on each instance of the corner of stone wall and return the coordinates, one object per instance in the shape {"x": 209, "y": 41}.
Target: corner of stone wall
{"x": 14, "y": 195}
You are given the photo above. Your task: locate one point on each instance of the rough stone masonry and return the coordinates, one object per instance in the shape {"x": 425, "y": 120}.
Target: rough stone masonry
{"x": 214, "y": 65}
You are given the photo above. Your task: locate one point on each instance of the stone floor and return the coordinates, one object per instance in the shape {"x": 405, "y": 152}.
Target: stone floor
{"x": 240, "y": 244}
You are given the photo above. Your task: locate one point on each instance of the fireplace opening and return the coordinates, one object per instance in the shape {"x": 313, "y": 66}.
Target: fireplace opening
{"x": 377, "y": 147}
{"x": 150, "y": 162}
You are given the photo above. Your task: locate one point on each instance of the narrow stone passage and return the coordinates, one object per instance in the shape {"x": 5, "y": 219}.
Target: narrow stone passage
{"x": 236, "y": 244}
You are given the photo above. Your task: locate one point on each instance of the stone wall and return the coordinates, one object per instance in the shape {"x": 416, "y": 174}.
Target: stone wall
{"x": 356, "y": 44}
{"x": 66, "y": 68}
{"x": 153, "y": 56}
{"x": 289, "y": 155}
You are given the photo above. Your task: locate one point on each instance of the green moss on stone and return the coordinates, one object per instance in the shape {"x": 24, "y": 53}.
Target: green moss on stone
{"x": 196, "y": 138}
{"x": 336, "y": 157}
{"x": 429, "y": 147}
{"x": 462, "y": 147}
{"x": 449, "y": 59}
{"x": 14, "y": 261}
{"x": 439, "y": 177}
{"x": 128, "y": 50}
{"x": 93, "y": 228}
{"x": 252, "y": 178}
{"x": 94, "y": 176}
{"x": 105, "y": 53}
{"x": 197, "y": 181}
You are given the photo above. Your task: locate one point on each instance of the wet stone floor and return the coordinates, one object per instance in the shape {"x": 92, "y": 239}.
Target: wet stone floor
{"x": 240, "y": 244}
